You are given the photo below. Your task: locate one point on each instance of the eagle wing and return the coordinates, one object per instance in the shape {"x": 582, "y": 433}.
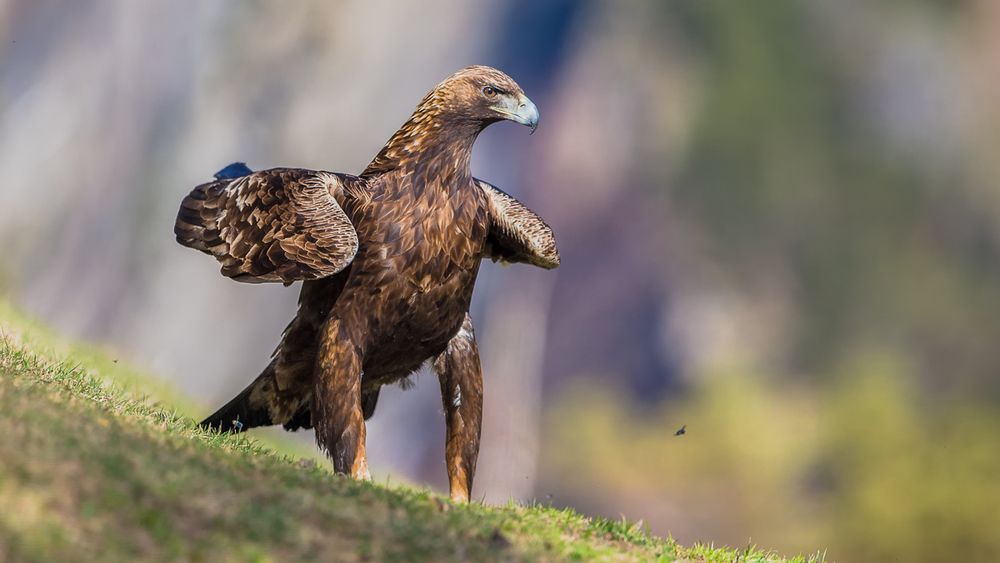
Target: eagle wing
{"x": 516, "y": 233}
{"x": 277, "y": 225}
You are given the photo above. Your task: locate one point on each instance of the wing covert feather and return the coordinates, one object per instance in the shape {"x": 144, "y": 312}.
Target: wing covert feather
{"x": 278, "y": 225}
{"x": 517, "y": 234}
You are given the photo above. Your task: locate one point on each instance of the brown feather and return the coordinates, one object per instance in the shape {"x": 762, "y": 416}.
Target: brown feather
{"x": 278, "y": 225}
{"x": 517, "y": 234}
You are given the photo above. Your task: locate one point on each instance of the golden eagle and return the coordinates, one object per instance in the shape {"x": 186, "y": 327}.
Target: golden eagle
{"x": 388, "y": 261}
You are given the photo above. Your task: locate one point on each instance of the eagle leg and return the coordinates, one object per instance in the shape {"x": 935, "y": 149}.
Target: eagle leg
{"x": 338, "y": 414}
{"x": 461, "y": 379}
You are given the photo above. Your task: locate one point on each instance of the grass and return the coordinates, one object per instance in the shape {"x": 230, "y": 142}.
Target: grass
{"x": 93, "y": 468}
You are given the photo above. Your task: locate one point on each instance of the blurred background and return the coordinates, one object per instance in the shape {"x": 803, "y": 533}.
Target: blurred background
{"x": 779, "y": 222}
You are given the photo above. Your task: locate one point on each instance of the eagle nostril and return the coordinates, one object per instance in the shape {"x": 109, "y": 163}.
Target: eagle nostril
{"x": 522, "y": 105}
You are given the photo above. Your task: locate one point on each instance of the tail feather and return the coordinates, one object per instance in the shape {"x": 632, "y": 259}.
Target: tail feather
{"x": 243, "y": 412}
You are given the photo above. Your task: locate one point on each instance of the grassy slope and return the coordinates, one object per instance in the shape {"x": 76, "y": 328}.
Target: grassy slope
{"x": 91, "y": 467}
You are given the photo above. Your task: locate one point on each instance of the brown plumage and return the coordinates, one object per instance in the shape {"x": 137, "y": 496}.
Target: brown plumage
{"x": 388, "y": 261}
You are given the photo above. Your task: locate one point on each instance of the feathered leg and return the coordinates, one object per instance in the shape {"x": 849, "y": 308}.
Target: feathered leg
{"x": 462, "y": 395}
{"x": 337, "y": 405}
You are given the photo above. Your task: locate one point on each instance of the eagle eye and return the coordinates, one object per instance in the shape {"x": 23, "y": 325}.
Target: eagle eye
{"x": 489, "y": 92}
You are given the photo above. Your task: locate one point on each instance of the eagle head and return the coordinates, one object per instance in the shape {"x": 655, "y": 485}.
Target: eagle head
{"x": 481, "y": 95}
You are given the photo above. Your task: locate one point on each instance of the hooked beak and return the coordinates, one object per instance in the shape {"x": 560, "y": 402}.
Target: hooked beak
{"x": 521, "y": 110}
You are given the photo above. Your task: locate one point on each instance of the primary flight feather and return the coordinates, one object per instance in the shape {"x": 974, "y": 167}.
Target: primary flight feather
{"x": 388, "y": 261}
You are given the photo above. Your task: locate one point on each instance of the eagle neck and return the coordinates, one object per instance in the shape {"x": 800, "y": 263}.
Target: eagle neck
{"x": 443, "y": 166}
{"x": 431, "y": 149}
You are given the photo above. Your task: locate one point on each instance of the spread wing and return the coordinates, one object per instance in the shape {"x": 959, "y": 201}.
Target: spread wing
{"x": 277, "y": 225}
{"x": 517, "y": 234}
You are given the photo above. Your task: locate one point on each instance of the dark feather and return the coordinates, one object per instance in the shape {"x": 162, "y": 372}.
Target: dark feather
{"x": 242, "y": 412}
